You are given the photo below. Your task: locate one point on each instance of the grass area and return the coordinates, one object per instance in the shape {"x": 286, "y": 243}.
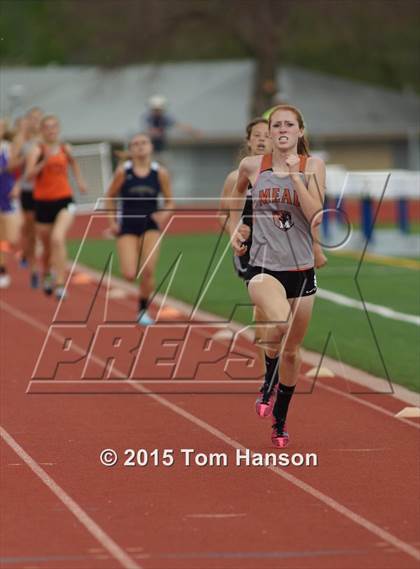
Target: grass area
{"x": 414, "y": 227}
{"x": 380, "y": 346}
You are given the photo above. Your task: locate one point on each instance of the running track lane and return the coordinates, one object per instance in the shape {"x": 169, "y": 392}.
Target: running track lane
{"x": 166, "y": 517}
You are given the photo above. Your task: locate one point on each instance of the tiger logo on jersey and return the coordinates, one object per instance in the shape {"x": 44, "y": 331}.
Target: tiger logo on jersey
{"x": 283, "y": 219}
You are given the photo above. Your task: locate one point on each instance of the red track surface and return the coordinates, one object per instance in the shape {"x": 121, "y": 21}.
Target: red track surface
{"x": 330, "y": 516}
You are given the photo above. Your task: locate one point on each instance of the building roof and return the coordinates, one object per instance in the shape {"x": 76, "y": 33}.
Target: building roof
{"x": 107, "y": 104}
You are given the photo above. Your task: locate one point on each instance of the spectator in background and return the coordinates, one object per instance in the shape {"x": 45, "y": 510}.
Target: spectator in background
{"x": 158, "y": 121}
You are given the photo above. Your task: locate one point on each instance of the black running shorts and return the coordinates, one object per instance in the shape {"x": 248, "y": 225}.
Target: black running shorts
{"x": 46, "y": 211}
{"x": 296, "y": 283}
{"x": 27, "y": 201}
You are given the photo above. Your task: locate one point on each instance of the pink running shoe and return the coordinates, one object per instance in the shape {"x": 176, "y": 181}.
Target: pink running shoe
{"x": 264, "y": 406}
{"x": 265, "y": 400}
{"x": 280, "y": 436}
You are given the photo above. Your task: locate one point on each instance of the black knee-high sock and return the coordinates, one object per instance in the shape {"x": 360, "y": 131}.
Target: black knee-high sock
{"x": 143, "y": 303}
{"x": 271, "y": 371}
{"x": 281, "y": 406}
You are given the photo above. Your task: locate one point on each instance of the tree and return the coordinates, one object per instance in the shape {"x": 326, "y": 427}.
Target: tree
{"x": 368, "y": 40}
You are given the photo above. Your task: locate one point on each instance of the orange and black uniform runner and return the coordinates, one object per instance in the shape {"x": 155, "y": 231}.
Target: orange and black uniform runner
{"x": 282, "y": 243}
{"x": 52, "y": 189}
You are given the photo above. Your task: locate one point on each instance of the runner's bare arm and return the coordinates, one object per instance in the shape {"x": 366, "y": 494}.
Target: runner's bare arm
{"x": 111, "y": 194}
{"x": 228, "y": 186}
{"x": 16, "y": 158}
{"x": 169, "y": 205}
{"x": 81, "y": 184}
{"x": 311, "y": 198}
{"x": 319, "y": 255}
{"x": 237, "y": 202}
{"x": 16, "y": 190}
{"x": 33, "y": 164}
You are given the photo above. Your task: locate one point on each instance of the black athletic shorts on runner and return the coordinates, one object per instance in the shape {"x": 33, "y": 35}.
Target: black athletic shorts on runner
{"x": 296, "y": 283}
{"x": 137, "y": 225}
{"x": 27, "y": 201}
{"x": 46, "y": 211}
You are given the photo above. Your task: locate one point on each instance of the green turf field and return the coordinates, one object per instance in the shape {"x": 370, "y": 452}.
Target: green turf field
{"x": 414, "y": 227}
{"x": 381, "y": 346}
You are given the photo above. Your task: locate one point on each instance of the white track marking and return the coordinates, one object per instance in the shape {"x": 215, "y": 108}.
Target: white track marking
{"x": 359, "y": 449}
{"x": 363, "y": 402}
{"x": 145, "y": 381}
{"x": 320, "y": 372}
{"x": 409, "y": 412}
{"x": 31, "y": 321}
{"x": 324, "y": 498}
{"x": 215, "y": 516}
{"x": 374, "y": 383}
{"x": 377, "y": 384}
{"x": 369, "y": 306}
{"x": 83, "y": 518}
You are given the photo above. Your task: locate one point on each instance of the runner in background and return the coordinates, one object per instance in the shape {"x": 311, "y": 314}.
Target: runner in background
{"x": 10, "y": 219}
{"x": 47, "y": 166}
{"x": 257, "y": 142}
{"x": 136, "y": 221}
{"x": 24, "y": 187}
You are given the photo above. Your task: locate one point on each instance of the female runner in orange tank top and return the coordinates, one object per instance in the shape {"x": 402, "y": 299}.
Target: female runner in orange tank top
{"x": 47, "y": 165}
{"x": 285, "y": 297}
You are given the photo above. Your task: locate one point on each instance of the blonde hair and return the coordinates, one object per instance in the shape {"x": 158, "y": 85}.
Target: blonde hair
{"x": 49, "y": 118}
{"x": 8, "y": 132}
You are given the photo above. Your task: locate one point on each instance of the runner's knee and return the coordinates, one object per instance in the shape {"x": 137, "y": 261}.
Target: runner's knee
{"x": 57, "y": 240}
{"x": 147, "y": 274}
{"x": 129, "y": 274}
{"x": 279, "y": 324}
{"x": 291, "y": 355}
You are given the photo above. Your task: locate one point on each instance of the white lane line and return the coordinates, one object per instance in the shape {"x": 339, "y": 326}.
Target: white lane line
{"x": 364, "y": 403}
{"x": 45, "y": 329}
{"x": 42, "y": 327}
{"x": 409, "y": 412}
{"x": 325, "y": 294}
{"x": 358, "y": 449}
{"x": 83, "y": 518}
{"x": 369, "y": 306}
{"x": 377, "y": 384}
{"x": 215, "y": 516}
{"x": 163, "y": 382}
{"x": 324, "y": 498}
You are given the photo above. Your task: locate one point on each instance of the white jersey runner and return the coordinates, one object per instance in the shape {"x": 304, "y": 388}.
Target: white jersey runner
{"x": 281, "y": 236}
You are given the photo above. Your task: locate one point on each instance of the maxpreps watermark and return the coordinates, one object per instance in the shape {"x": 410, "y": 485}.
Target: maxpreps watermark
{"x": 241, "y": 457}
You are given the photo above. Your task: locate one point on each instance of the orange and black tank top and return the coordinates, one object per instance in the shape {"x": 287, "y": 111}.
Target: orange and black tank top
{"x": 52, "y": 183}
{"x": 281, "y": 234}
